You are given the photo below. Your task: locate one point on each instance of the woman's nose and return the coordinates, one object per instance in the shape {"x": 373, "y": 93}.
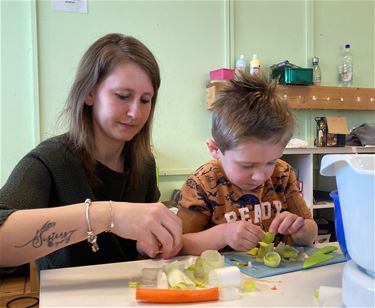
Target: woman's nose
{"x": 134, "y": 110}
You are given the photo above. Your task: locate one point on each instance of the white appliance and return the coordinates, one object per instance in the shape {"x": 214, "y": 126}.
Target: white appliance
{"x": 355, "y": 178}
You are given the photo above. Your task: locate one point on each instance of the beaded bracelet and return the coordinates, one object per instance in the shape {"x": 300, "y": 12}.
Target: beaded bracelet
{"x": 91, "y": 237}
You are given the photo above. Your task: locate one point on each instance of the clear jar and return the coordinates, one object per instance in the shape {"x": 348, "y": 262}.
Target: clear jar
{"x": 317, "y": 74}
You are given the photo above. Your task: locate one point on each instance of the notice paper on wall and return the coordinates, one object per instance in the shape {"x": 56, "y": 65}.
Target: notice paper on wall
{"x": 76, "y": 6}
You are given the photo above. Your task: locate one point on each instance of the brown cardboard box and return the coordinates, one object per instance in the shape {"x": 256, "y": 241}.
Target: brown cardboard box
{"x": 210, "y": 95}
{"x": 211, "y": 89}
{"x": 331, "y": 131}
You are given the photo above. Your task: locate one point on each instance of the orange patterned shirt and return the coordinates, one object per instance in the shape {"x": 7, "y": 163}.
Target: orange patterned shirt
{"x": 207, "y": 198}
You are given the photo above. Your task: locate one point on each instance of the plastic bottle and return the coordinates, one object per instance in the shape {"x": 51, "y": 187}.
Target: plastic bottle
{"x": 317, "y": 74}
{"x": 345, "y": 68}
{"x": 241, "y": 63}
{"x": 254, "y": 65}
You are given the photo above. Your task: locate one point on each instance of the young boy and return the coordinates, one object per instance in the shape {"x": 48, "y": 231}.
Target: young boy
{"x": 246, "y": 190}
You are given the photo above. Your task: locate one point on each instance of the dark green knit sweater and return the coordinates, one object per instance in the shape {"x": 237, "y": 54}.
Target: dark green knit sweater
{"x": 50, "y": 176}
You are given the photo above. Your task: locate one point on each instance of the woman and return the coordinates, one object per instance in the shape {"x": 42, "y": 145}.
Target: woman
{"x": 57, "y": 197}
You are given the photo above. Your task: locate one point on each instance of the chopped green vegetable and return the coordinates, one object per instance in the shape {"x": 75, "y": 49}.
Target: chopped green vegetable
{"x": 265, "y": 246}
{"x": 268, "y": 237}
{"x": 180, "y": 286}
{"x": 319, "y": 256}
{"x": 240, "y": 263}
{"x": 272, "y": 259}
{"x": 316, "y": 259}
{"x": 263, "y": 249}
{"x": 253, "y": 251}
{"x": 288, "y": 253}
{"x": 325, "y": 250}
{"x": 199, "y": 284}
{"x": 249, "y": 285}
{"x": 134, "y": 284}
{"x": 316, "y": 294}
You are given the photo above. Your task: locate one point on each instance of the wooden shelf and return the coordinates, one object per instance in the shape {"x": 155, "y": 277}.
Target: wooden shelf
{"x": 331, "y": 150}
{"x": 306, "y": 163}
{"x": 326, "y": 205}
{"x": 316, "y": 97}
{"x": 337, "y": 98}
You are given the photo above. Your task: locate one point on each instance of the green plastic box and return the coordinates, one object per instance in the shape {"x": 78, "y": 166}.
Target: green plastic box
{"x": 293, "y": 75}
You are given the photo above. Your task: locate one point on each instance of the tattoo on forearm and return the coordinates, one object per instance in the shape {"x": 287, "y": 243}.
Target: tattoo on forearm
{"x": 42, "y": 236}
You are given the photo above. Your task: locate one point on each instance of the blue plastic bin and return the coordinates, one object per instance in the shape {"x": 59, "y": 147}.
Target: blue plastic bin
{"x": 338, "y": 223}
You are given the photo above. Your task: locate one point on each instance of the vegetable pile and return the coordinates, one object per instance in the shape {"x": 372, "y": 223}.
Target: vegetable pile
{"x": 205, "y": 279}
{"x": 272, "y": 256}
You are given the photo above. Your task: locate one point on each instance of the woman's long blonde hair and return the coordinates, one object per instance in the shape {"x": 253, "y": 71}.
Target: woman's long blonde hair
{"x": 97, "y": 62}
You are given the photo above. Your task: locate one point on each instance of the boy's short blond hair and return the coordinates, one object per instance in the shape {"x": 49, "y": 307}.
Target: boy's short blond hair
{"x": 250, "y": 106}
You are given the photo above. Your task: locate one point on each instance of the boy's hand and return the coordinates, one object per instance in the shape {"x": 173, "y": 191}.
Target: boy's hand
{"x": 242, "y": 235}
{"x": 288, "y": 223}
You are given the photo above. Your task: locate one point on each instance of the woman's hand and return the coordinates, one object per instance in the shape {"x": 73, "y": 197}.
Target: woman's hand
{"x": 157, "y": 230}
{"x": 151, "y": 252}
{"x": 242, "y": 235}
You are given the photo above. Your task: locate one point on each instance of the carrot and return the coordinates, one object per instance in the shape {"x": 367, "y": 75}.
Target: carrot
{"x": 176, "y": 296}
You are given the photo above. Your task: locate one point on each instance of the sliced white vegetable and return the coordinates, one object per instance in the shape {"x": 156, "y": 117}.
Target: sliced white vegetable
{"x": 190, "y": 261}
{"x": 302, "y": 255}
{"x": 162, "y": 280}
{"x": 172, "y": 265}
{"x": 177, "y": 278}
{"x": 149, "y": 276}
{"x": 207, "y": 261}
{"x": 229, "y": 294}
{"x": 213, "y": 257}
{"x": 225, "y": 277}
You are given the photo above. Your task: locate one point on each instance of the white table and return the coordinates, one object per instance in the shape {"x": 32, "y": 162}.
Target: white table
{"x": 107, "y": 286}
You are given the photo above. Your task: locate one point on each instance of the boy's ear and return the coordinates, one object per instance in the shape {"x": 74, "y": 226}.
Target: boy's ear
{"x": 213, "y": 148}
